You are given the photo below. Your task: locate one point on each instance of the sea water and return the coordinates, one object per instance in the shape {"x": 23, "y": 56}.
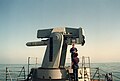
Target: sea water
{"x": 113, "y": 68}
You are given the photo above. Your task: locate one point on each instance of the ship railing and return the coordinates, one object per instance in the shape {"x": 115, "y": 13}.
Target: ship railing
{"x": 116, "y": 76}
{"x": 32, "y": 63}
{"x": 15, "y": 73}
{"x": 21, "y": 73}
{"x": 2, "y": 75}
{"x": 101, "y": 75}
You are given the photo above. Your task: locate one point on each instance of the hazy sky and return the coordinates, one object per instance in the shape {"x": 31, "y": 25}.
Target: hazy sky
{"x": 20, "y": 20}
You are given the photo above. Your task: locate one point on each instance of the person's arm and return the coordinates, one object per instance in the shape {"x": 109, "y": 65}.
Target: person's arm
{"x": 71, "y": 50}
{"x": 76, "y": 49}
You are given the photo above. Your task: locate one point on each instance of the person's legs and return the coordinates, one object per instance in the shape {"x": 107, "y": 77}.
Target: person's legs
{"x": 75, "y": 72}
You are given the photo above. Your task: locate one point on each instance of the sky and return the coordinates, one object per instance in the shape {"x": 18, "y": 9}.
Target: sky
{"x": 20, "y": 20}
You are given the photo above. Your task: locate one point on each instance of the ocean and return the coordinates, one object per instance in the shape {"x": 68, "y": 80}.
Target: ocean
{"x": 15, "y": 70}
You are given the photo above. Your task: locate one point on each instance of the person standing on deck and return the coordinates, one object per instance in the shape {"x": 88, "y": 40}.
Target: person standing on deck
{"x": 75, "y": 66}
{"x": 73, "y": 50}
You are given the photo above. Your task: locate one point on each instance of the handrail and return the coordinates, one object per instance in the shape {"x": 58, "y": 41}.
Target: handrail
{"x": 13, "y": 74}
{"x": 112, "y": 74}
{"x": 115, "y": 75}
{"x": 36, "y": 63}
{"x": 98, "y": 70}
{"x": 22, "y": 70}
{"x": 7, "y": 71}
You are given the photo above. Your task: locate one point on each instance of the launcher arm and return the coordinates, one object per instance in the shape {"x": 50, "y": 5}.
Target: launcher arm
{"x": 70, "y": 34}
{"x": 38, "y": 43}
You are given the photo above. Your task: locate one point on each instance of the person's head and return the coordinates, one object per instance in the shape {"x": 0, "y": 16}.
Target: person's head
{"x": 73, "y": 45}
